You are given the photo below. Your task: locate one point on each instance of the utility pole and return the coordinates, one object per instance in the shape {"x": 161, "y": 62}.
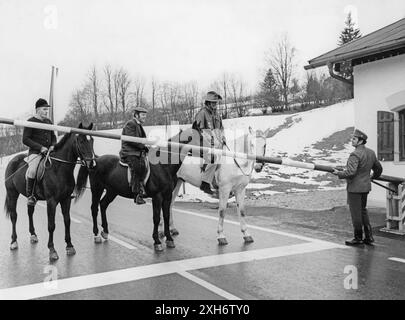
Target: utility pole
{"x": 54, "y": 74}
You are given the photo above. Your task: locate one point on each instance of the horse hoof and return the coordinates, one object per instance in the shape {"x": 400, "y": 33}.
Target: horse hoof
{"x": 34, "y": 239}
{"x": 248, "y": 239}
{"x": 97, "y": 239}
{"x": 161, "y": 234}
{"x": 170, "y": 244}
{"x": 158, "y": 247}
{"x": 104, "y": 235}
{"x": 222, "y": 241}
{"x": 174, "y": 232}
{"x": 70, "y": 251}
{"x": 53, "y": 256}
{"x": 14, "y": 246}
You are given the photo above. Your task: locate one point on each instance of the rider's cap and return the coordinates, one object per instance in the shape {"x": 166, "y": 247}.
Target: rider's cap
{"x": 41, "y": 103}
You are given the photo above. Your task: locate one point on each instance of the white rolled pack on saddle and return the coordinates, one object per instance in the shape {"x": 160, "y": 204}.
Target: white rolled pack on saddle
{"x": 130, "y": 174}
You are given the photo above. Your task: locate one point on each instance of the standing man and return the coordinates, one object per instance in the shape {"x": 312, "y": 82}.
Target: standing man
{"x": 357, "y": 173}
{"x": 39, "y": 142}
{"x": 135, "y": 154}
{"x": 209, "y": 119}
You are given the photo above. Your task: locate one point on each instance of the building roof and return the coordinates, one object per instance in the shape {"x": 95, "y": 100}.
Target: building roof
{"x": 389, "y": 38}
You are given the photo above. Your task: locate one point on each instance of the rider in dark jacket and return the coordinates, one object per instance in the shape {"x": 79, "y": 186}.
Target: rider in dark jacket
{"x": 39, "y": 142}
{"x": 135, "y": 154}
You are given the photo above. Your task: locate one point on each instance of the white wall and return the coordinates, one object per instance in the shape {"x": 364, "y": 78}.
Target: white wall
{"x": 374, "y": 83}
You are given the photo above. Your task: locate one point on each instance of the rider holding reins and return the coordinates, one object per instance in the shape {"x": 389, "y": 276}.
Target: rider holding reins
{"x": 39, "y": 142}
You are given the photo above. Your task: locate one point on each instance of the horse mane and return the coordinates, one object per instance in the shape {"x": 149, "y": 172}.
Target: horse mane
{"x": 59, "y": 145}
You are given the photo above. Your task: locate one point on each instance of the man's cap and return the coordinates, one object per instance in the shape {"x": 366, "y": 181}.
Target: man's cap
{"x": 212, "y": 96}
{"x": 359, "y": 134}
{"x": 140, "y": 110}
{"x": 41, "y": 103}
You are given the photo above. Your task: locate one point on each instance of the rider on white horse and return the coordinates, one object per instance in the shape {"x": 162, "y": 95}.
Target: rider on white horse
{"x": 209, "y": 120}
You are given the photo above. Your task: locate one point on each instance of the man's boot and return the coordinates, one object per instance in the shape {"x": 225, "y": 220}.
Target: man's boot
{"x": 206, "y": 188}
{"x": 358, "y": 239}
{"x": 368, "y": 236}
{"x": 30, "y": 192}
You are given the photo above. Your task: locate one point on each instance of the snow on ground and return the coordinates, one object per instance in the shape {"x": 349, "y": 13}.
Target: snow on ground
{"x": 294, "y": 136}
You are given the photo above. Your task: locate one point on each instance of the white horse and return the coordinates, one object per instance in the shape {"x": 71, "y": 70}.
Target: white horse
{"x": 232, "y": 175}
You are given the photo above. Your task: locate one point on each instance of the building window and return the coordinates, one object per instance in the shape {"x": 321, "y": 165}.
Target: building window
{"x": 401, "y": 115}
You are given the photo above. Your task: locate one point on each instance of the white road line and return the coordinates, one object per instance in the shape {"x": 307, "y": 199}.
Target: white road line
{"x": 397, "y": 259}
{"x": 137, "y": 273}
{"x": 121, "y": 242}
{"x": 282, "y": 233}
{"x": 110, "y": 237}
{"x": 209, "y": 286}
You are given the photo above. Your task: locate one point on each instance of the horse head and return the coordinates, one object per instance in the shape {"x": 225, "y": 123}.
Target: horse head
{"x": 85, "y": 147}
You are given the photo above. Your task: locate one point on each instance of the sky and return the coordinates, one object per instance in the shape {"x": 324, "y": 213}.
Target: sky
{"x": 176, "y": 40}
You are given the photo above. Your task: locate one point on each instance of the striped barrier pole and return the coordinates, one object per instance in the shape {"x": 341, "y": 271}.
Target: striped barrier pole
{"x": 197, "y": 149}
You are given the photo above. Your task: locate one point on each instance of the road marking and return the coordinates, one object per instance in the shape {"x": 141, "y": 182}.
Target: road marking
{"x": 209, "y": 286}
{"x": 397, "y": 260}
{"x": 110, "y": 237}
{"x": 282, "y": 233}
{"x": 121, "y": 242}
{"x": 39, "y": 290}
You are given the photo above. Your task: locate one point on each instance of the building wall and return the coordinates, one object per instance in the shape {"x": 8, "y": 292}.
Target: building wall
{"x": 375, "y": 83}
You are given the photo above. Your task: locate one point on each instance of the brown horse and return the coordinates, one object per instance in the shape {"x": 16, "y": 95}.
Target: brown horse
{"x": 55, "y": 187}
{"x": 110, "y": 176}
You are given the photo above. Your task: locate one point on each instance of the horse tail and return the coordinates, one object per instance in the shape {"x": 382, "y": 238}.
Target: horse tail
{"x": 7, "y": 207}
{"x": 81, "y": 183}
{"x": 11, "y": 170}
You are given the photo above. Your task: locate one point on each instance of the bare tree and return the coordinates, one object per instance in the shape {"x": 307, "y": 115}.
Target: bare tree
{"x": 123, "y": 83}
{"x": 281, "y": 62}
{"x": 155, "y": 89}
{"x": 139, "y": 85}
{"x": 109, "y": 104}
{"x": 93, "y": 88}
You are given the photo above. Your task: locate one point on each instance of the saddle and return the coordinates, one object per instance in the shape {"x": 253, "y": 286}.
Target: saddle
{"x": 129, "y": 173}
{"x": 38, "y": 189}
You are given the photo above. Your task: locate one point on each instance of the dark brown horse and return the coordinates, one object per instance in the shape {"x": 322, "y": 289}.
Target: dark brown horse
{"x": 55, "y": 188}
{"x": 110, "y": 176}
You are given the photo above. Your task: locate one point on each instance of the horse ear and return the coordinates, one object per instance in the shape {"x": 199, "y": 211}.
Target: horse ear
{"x": 80, "y": 125}
{"x": 90, "y": 126}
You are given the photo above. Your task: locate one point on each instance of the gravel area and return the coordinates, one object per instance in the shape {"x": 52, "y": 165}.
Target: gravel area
{"x": 311, "y": 200}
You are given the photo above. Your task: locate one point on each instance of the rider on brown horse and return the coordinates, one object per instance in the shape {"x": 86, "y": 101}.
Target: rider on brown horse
{"x": 39, "y": 142}
{"x": 135, "y": 154}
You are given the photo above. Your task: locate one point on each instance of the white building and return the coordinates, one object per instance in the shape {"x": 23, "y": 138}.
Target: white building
{"x": 378, "y": 61}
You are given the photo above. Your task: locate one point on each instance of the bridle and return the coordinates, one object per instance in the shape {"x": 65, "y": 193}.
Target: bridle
{"x": 82, "y": 161}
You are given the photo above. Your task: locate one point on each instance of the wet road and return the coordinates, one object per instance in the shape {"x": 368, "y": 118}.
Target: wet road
{"x": 278, "y": 265}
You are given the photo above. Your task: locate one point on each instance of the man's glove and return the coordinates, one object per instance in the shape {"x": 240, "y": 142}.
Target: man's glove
{"x": 44, "y": 150}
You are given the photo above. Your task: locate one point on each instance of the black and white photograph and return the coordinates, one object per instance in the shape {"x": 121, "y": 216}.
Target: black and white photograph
{"x": 201, "y": 155}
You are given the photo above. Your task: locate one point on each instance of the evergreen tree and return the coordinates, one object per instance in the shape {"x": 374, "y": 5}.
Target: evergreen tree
{"x": 349, "y": 33}
{"x": 269, "y": 90}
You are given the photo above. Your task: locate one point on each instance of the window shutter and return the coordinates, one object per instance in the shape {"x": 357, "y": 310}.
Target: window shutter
{"x": 385, "y": 135}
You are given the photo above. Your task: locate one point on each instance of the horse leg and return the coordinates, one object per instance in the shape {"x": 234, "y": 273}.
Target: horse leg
{"x": 33, "y": 238}
{"x": 105, "y": 202}
{"x": 65, "y": 207}
{"x": 11, "y": 207}
{"x": 173, "y": 230}
{"x": 223, "y": 200}
{"x": 157, "y": 207}
{"x": 51, "y": 209}
{"x": 166, "y": 217}
{"x": 240, "y": 208}
{"x": 95, "y": 201}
